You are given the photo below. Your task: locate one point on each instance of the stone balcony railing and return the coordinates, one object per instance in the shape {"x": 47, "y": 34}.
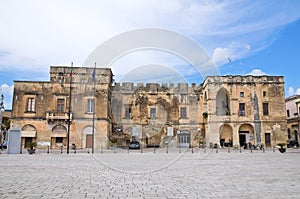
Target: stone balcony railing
{"x": 51, "y": 116}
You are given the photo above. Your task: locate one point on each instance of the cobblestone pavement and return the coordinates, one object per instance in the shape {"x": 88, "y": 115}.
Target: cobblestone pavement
{"x": 119, "y": 174}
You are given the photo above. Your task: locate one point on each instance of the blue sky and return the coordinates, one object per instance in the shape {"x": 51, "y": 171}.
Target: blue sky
{"x": 260, "y": 37}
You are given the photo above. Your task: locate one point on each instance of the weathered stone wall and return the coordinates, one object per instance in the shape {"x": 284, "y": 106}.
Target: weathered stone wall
{"x": 208, "y": 113}
{"x": 45, "y": 115}
{"x": 253, "y": 92}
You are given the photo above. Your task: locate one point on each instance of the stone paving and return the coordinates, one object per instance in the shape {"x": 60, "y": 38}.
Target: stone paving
{"x": 119, "y": 174}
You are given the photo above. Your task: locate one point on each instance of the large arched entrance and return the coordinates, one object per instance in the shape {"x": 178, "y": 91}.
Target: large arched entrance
{"x": 246, "y": 135}
{"x": 225, "y": 135}
{"x": 222, "y": 103}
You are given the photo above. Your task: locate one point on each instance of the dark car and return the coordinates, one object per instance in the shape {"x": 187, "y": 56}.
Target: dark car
{"x": 3, "y": 145}
{"x": 134, "y": 145}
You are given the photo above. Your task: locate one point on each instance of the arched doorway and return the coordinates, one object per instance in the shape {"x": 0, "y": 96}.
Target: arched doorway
{"x": 226, "y": 135}
{"x": 87, "y": 138}
{"x": 28, "y": 134}
{"x": 246, "y": 135}
{"x": 58, "y": 136}
{"x": 222, "y": 103}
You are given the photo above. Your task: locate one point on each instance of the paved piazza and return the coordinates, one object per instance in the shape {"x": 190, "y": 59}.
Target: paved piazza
{"x": 119, "y": 174}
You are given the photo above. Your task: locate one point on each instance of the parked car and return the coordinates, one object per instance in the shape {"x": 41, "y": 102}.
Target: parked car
{"x": 134, "y": 145}
{"x": 3, "y": 145}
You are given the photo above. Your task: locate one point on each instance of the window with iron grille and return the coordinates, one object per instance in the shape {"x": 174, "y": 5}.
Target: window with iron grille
{"x": 30, "y": 105}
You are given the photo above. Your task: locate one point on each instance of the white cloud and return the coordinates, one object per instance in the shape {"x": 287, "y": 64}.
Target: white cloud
{"x": 257, "y": 72}
{"x": 233, "y": 51}
{"x": 293, "y": 91}
{"x": 51, "y": 32}
{"x": 7, "y": 92}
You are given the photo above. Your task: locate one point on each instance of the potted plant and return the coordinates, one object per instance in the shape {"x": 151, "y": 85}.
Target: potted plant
{"x": 31, "y": 147}
{"x": 282, "y": 149}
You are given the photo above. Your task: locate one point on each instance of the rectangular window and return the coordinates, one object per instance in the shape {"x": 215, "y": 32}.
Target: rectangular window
{"x": 241, "y": 94}
{"x": 90, "y": 106}
{"x": 183, "y": 113}
{"x": 128, "y": 112}
{"x": 242, "y": 109}
{"x": 264, "y": 93}
{"x": 288, "y": 113}
{"x": 60, "y": 105}
{"x": 153, "y": 113}
{"x": 265, "y": 109}
{"x": 30, "y": 105}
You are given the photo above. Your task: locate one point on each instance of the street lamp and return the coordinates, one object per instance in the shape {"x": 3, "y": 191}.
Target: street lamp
{"x": 1, "y": 110}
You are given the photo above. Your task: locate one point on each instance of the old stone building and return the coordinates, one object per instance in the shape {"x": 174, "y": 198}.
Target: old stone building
{"x": 293, "y": 119}
{"x": 41, "y": 109}
{"x": 223, "y": 110}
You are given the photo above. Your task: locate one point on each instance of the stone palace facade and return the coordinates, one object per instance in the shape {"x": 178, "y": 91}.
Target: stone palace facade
{"x": 223, "y": 110}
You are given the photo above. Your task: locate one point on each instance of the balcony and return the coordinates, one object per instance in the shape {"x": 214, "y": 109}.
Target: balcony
{"x": 52, "y": 116}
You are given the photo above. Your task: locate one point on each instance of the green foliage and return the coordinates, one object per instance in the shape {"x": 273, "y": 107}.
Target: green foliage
{"x": 281, "y": 145}
{"x": 31, "y": 145}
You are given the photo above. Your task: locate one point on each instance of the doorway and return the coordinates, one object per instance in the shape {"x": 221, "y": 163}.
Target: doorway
{"x": 27, "y": 141}
{"x": 184, "y": 139}
{"x": 89, "y": 141}
{"x": 242, "y": 138}
{"x": 268, "y": 139}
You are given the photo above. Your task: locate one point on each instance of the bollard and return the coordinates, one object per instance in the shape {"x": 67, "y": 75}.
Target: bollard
{"x": 229, "y": 149}
{"x": 217, "y": 149}
{"x": 273, "y": 148}
{"x": 179, "y": 149}
{"x": 167, "y": 150}
{"x": 204, "y": 149}
{"x": 154, "y": 149}
{"x": 75, "y": 150}
{"x": 141, "y": 149}
{"x": 240, "y": 149}
{"x": 263, "y": 149}
{"x": 61, "y": 149}
{"x": 127, "y": 149}
{"x": 48, "y": 148}
{"x": 101, "y": 149}
{"x": 192, "y": 149}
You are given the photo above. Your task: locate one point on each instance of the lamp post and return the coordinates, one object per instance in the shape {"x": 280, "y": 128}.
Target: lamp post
{"x": 1, "y": 110}
{"x": 69, "y": 111}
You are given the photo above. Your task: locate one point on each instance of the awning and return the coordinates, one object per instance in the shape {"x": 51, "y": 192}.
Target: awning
{"x": 31, "y": 134}
{"x": 59, "y": 134}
